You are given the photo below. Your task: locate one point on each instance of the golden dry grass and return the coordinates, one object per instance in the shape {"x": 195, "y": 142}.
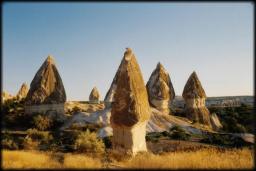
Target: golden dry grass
{"x": 27, "y": 159}
{"x": 35, "y": 159}
{"x": 80, "y": 161}
{"x": 204, "y": 158}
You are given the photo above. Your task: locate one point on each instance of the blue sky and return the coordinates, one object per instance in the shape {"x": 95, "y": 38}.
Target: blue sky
{"x": 88, "y": 40}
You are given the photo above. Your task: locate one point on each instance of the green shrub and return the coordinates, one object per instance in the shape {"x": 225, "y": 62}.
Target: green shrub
{"x": 42, "y": 136}
{"x": 42, "y": 122}
{"x": 88, "y": 142}
{"x": 179, "y": 133}
{"x": 8, "y": 143}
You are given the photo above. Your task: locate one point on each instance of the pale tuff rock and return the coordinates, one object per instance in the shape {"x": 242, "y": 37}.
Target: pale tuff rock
{"x": 46, "y": 89}
{"x": 130, "y": 111}
{"x": 109, "y": 98}
{"x": 215, "y": 121}
{"x": 194, "y": 97}
{"x": 22, "y": 93}
{"x": 94, "y": 96}
{"x": 160, "y": 89}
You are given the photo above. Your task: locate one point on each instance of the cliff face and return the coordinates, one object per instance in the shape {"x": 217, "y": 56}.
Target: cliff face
{"x": 194, "y": 96}
{"x": 46, "y": 87}
{"x": 131, "y": 100}
{"x": 160, "y": 89}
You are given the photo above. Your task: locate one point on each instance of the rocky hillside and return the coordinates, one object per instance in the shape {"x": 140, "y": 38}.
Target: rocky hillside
{"x": 223, "y": 101}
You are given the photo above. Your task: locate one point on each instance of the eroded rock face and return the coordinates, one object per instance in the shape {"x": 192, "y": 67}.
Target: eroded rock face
{"x": 160, "y": 89}
{"x": 46, "y": 89}
{"x": 194, "y": 96}
{"x": 22, "y": 93}
{"x": 130, "y": 111}
{"x": 94, "y": 96}
{"x": 109, "y": 98}
{"x": 216, "y": 125}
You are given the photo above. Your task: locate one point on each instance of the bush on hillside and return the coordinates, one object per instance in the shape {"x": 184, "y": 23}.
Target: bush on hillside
{"x": 42, "y": 122}
{"x": 88, "y": 142}
{"x": 8, "y": 143}
{"x": 42, "y": 136}
{"x": 179, "y": 133}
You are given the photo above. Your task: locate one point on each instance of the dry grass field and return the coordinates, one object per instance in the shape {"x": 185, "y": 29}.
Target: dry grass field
{"x": 203, "y": 158}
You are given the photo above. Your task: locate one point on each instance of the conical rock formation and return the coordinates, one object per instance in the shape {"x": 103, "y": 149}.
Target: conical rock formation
{"x": 22, "y": 93}
{"x": 130, "y": 111}
{"x": 160, "y": 89}
{"x": 46, "y": 91}
{"x": 94, "y": 95}
{"x": 194, "y": 96}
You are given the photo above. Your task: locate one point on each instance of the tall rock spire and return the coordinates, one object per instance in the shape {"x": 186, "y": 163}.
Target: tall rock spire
{"x": 194, "y": 96}
{"x": 130, "y": 110}
{"x": 46, "y": 87}
{"x": 160, "y": 89}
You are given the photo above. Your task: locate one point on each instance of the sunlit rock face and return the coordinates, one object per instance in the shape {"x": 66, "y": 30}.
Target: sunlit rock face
{"x": 160, "y": 89}
{"x": 216, "y": 124}
{"x": 22, "y": 93}
{"x": 109, "y": 98}
{"x": 130, "y": 110}
{"x": 46, "y": 93}
{"x": 194, "y": 96}
{"x": 6, "y": 96}
{"x": 94, "y": 96}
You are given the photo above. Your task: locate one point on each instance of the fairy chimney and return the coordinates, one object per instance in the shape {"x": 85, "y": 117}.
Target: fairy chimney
{"x": 130, "y": 111}
{"x": 94, "y": 95}
{"x": 194, "y": 96}
{"x": 22, "y": 93}
{"x": 160, "y": 89}
{"x": 46, "y": 93}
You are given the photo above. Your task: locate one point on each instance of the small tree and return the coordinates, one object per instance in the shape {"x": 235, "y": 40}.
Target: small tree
{"x": 42, "y": 122}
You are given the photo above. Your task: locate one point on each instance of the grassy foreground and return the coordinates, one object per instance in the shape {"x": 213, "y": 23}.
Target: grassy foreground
{"x": 204, "y": 158}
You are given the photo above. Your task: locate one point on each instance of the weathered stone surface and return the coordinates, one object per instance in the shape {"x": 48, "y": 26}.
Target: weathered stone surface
{"x": 46, "y": 94}
{"x": 46, "y": 87}
{"x": 194, "y": 96}
{"x": 131, "y": 100}
{"x": 160, "y": 89}
{"x": 109, "y": 98}
{"x": 130, "y": 111}
{"x": 216, "y": 125}
{"x": 22, "y": 93}
{"x": 193, "y": 88}
{"x": 94, "y": 95}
